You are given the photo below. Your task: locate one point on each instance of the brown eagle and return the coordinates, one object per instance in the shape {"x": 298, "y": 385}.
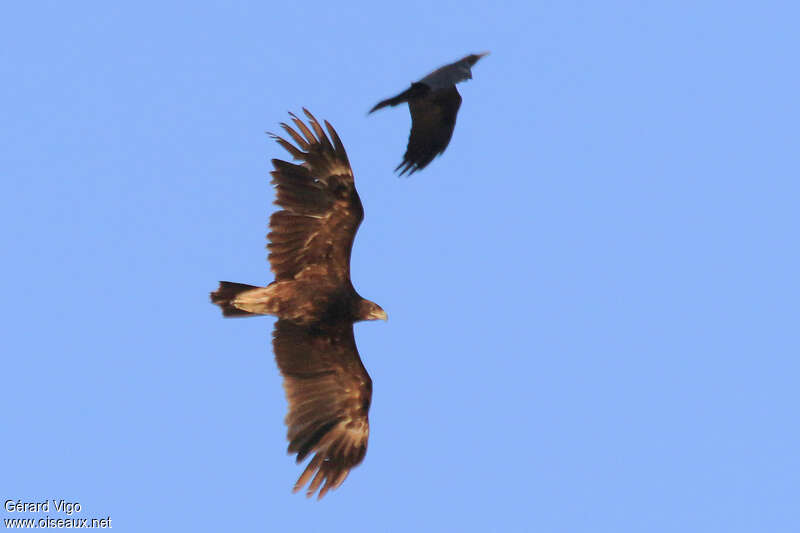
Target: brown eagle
{"x": 433, "y": 102}
{"x": 326, "y": 385}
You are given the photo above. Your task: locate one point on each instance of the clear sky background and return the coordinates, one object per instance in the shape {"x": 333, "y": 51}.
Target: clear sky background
{"x": 592, "y": 295}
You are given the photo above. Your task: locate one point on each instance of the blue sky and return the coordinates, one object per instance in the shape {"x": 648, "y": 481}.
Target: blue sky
{"x": 592, "y": 295}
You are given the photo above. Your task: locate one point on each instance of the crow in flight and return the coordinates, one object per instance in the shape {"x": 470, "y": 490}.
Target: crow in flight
{"x": 434, "y": 103}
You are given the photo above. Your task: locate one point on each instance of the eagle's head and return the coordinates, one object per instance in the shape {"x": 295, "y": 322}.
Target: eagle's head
{"x": 371, "y": 311}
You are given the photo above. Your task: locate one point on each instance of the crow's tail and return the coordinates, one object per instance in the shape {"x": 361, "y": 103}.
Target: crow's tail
{"x": 416, "y": 89}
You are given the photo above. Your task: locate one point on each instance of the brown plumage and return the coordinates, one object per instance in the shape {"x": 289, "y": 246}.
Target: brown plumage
{"x": 326, "y": 385}
{"x": 433, "y": 102}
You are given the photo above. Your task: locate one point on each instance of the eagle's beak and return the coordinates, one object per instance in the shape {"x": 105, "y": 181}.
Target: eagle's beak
{"x": 381, "y": 315}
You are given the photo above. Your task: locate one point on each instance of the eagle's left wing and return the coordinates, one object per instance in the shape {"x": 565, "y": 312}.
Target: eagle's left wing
{"x": 329, "y": 394}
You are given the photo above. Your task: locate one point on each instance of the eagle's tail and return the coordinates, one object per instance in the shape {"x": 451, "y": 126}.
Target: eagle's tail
{"x": 416, "y": 89}
{"x": 225, "y": 295}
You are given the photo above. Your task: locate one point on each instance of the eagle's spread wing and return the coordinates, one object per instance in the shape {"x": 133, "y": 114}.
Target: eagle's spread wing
{"x": 433, "y": 119}
{"x": 329, "y": 393}
{"x": 313, "y": 235}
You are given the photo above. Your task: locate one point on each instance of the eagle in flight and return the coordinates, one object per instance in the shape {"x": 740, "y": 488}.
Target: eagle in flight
{"x": 311, "y": 237}
{"x": 433, "y": 102}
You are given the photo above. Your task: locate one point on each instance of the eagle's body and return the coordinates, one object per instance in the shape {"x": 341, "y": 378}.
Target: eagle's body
{"x": 327, "y": 386}
{"x": 433, "y": 102}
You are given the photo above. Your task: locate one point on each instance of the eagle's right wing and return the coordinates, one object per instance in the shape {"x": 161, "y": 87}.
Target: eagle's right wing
{"x": 313, "y": 235}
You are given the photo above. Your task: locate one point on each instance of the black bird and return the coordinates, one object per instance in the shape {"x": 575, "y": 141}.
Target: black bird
{"x": 433, "y": 102}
